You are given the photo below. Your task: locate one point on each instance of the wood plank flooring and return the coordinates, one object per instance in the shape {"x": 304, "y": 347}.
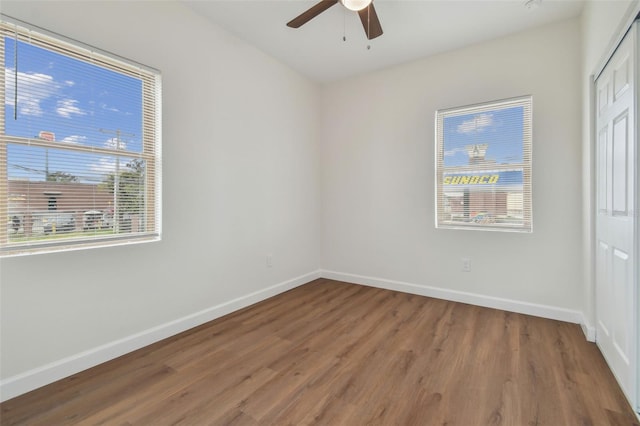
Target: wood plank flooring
{"x": 342, "y": 354}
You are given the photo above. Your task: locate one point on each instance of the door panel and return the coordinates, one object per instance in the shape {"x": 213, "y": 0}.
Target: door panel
{"x": 622, "y": 315}
{"x": 621, "y": 77}
{"x": 620, "y": 155}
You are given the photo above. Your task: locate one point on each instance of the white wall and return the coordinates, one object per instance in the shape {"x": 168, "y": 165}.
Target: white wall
{"x": 603, "y": 22}
{"x": 377, "y": 150}
{"x": 240, "y": 182}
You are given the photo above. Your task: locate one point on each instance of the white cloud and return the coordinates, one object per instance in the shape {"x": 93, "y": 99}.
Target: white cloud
{"x": 454, "y": 151}
{"x": 114, "y": 144}
{"x": 68, "y": 107}
{"x": 74, "y": 139}
{"x": 108, "y": 165}
{"x": 109, "y": 108}
{"x": 33, "y": 89}
{"x": 105, "y": 165}
{"x": 476, "y": 124}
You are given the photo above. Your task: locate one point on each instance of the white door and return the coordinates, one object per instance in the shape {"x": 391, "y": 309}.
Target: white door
{"x": 616, "y": 283}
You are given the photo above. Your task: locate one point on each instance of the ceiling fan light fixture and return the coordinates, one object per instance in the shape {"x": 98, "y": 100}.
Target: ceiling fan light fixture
{"x": 355, "y": 5}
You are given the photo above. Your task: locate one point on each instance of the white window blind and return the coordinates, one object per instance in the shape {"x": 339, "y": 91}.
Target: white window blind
{"x": 80, "y": 145}
{"x": 483, "y": 166}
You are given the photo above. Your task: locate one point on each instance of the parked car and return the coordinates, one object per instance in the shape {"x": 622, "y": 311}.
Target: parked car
{"x": 92, "y": 220}
{"x": 483, "y": 218}
{"x": 58, "y": 222}
{"x": 14, "y": 224}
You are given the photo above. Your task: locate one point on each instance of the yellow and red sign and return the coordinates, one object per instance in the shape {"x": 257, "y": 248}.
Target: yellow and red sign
{"x": 471, "y": 179}
{"x": 47, "y": 136}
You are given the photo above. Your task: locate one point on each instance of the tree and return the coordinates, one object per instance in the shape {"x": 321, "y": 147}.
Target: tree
{"x": 131, "y": 185}
{"x": 61, "y": 177}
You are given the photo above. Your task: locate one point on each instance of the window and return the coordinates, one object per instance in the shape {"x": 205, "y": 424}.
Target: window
{"x": 483, "y": 166}
{"x": 79, "y": 145}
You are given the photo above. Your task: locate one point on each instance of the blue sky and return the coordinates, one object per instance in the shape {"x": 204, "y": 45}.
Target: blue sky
{"x": 74, "y": 100}
{"x": 501, "y": 129}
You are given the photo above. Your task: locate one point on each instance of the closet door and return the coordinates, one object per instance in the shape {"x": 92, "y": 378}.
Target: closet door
{"x": 616, "y": 283}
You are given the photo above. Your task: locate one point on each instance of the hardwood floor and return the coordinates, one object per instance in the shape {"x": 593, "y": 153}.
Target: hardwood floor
{"x": 344, "y": 354}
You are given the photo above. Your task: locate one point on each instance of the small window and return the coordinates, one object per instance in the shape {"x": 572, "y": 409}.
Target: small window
{"x": 53, "y": 203}
{"x": 483, "y": 166}
{"x": 79, "y": 145}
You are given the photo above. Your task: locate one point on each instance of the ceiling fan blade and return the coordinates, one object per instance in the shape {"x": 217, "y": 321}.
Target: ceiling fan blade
{"x": 311, "y": 13}
{"x": 370, "y": 22}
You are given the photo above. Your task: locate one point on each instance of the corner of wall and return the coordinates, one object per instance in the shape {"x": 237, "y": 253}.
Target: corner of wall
{"x": 588, "y": 329}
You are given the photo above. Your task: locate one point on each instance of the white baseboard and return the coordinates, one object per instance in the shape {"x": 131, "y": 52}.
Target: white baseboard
{"x": 544, "y": 311}
{"x": 38, "y": 377}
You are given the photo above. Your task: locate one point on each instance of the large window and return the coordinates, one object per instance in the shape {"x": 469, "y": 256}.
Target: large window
{"x": 483, "y": 170}
{"x": 79, "y": 145}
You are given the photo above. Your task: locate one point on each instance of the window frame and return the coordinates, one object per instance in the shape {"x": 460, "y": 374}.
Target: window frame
{"x": 526, "y": 224}
{"x": 151, "y": 141}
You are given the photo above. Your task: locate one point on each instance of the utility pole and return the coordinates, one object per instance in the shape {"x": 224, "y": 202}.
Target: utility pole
{"x": 51, "y": 137}
{"x": 116, "y": 177}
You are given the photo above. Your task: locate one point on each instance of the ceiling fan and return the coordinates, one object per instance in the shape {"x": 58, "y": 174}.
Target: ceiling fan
{"x": 365, "y": 9}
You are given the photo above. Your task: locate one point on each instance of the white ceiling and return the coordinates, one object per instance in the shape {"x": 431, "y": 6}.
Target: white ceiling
{"x": 412, "y": 29}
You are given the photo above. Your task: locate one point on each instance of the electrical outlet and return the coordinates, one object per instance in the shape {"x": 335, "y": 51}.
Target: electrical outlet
{"x": 269, "y": 260}
{"x": 466, "y": 264}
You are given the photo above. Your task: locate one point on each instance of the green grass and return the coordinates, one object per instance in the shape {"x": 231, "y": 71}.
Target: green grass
{"x": 21, "y": 238}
